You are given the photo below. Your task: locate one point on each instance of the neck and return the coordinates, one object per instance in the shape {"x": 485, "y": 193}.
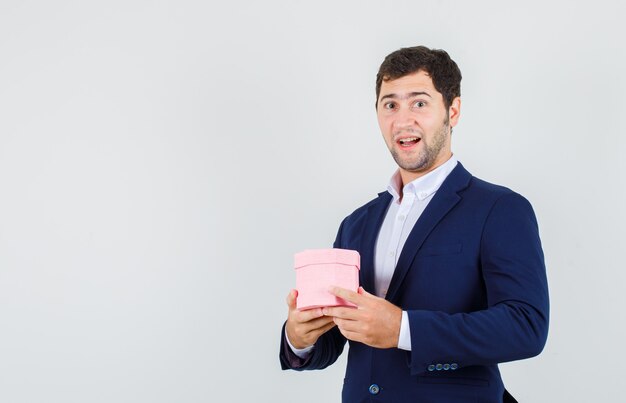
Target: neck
{"x": 410, "y": 176}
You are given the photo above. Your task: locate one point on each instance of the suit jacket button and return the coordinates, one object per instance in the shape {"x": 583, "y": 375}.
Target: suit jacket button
{"x": 374, "y": 389}
{"x": 438, "y": 367}
{"x": 431, "y": 367}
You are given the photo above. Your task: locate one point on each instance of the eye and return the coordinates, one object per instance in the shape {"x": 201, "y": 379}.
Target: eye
{"x": 419, "y": 104}
{"x": 389, "y": 105}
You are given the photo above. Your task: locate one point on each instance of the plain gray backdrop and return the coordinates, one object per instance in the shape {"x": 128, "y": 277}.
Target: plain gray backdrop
{"x": 162, "y": 161}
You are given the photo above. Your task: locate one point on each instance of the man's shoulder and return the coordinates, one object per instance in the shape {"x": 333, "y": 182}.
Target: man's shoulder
{"x": 479, "y": 192}
{"x": 357, "y": 221}
{"x": 482, "y": 186}
{"x": 489, "y": 195}
{"x": 460, "y": 177}
{"x": 383, "y": 197}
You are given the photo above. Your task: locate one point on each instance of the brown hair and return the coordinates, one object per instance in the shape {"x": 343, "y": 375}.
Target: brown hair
{"x": 436, "y": 63}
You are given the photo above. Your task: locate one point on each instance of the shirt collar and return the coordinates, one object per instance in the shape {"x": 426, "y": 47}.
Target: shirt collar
{"x": 424, "y": 186}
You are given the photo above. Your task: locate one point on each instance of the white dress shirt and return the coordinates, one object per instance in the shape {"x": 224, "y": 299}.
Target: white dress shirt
{"x": 402, "y": 214}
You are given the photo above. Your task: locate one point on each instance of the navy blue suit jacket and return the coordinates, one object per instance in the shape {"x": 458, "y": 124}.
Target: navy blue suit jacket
{"x": 472, "y": 278}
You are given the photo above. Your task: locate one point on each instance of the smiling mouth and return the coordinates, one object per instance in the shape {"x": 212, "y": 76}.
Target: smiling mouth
{"x": 409, "y": 141}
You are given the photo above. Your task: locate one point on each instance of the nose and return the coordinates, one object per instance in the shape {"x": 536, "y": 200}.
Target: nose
{"x": 404, "y": 119}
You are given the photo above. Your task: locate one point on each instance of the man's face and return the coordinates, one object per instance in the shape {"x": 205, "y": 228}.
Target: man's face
{"x": 416, "y": 124}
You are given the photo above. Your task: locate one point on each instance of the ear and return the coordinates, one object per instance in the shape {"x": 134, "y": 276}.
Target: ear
{"x": 455, "y": 111}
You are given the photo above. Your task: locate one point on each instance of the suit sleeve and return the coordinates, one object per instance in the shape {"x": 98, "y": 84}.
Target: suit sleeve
{"x": 325, "y": 351}
{"x": 515, "y": 323}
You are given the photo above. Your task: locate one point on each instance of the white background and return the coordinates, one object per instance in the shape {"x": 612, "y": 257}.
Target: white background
{"x": 161, "y": 161}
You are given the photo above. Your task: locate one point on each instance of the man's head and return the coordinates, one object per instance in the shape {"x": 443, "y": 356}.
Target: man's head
{"x": 417, "y": 105}
{"x": 436, "y": 63}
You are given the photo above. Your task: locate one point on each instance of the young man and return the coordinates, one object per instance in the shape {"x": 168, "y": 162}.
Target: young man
{"x": 452, "y": 270}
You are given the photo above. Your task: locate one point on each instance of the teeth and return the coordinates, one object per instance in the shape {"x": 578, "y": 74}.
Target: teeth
{"x": 408, "y": 140}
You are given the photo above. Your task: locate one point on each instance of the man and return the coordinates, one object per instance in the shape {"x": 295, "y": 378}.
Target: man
{"x": 452, "y": 270}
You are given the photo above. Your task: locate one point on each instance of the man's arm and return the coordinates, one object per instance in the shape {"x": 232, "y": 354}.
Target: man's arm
{"x": 325, "y": 352}
{"x": 303, "y": 328}
{"x": 306, "y": 328}
{"x": 310, "y": 328}
{"x": 515, "y": 324}
{"x": 375, "y": 321}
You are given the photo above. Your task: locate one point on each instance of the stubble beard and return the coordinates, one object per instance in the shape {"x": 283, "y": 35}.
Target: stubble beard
{"x": 427, "y": 156}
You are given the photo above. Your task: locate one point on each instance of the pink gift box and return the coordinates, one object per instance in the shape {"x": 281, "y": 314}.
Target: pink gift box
{"x": 319, "y": 269}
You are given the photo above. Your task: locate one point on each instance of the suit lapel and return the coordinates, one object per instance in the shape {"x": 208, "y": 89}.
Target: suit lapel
{"x": 443, "y": 201}
{"x": 375, "y": 215}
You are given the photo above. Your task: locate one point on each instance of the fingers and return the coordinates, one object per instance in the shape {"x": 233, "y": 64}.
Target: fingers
{"x": 324, "y": 323}
{"x": 360, "y": 298}
{"x": 308, "y": 315}
{"x": 303, "y": 334}
{"x": 351, "y": 335}
{"x": 346, "y": 294}
{"x": 301, "y": 316}
{"x": 326, "y": 327}
{"x": 362, "y": 291}
{"x": 305, "y": 327}
{"x": 376, "y": 322}
{"x": 291, "y": 299}
{"x": 341, "y": 312}
{"x": 314, "y": 324}
{"x": 348, "y": 325}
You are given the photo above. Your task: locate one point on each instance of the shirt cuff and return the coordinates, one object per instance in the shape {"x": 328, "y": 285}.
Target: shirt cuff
{"x": 404, "y": 341}
{"x": 302, "y": 353}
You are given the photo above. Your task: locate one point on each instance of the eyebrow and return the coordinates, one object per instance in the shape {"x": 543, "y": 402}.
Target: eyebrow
{"x": 407, "y": 96}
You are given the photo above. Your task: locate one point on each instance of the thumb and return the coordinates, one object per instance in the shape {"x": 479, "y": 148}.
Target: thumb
{"x": 291, "y": 299}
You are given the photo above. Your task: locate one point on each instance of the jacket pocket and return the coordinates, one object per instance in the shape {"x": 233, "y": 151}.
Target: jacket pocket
{"x": 435, "y": 250}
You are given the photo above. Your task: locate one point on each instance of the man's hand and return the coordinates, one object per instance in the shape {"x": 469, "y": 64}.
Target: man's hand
{"x": 375, "y": 321}
{"x": 305, "y": 327}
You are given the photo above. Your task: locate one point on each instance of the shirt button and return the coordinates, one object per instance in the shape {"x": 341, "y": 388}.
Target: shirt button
{"x": 392, "y": 253}
{"x": 423, "y": 195}
{"x": 374, "y": 389}
{"x": 401, "y": 218}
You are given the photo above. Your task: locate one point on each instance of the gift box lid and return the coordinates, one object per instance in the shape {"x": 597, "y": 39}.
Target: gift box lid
{"x": 327, "y": 256}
